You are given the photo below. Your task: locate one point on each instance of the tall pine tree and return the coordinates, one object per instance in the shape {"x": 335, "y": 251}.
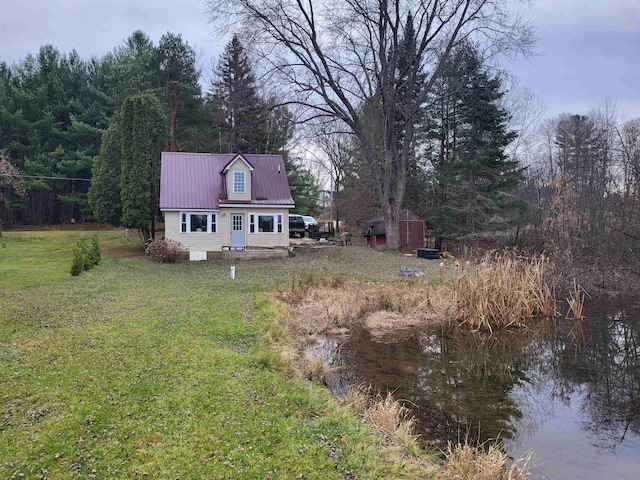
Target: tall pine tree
{"x": 241, "y": 111}
{"x": 178, "y": 76}
{"x": 474, "y": 181}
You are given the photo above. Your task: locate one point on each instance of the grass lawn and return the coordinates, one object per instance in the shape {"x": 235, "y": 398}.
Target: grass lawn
{"x": 136, "y": 369}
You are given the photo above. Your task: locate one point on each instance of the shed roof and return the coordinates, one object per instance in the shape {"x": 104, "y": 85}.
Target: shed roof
{"x": 375, "y": 226}
{"x": 195, "y": 181}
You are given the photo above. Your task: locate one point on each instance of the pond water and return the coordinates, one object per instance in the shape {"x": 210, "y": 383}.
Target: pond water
{"x": 567, "y": 390}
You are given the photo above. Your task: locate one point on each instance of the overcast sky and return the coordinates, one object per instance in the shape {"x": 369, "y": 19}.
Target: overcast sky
{"x": 590, "y": 49}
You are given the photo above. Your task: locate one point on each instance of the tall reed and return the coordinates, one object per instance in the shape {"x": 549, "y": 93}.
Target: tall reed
{"x": 484, "y": 463}
{"x": 576, "y": 302}
{"x": 504, "y": 290}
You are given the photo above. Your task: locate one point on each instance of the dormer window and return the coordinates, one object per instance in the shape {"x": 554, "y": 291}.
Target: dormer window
{"x": 239, "y": 182}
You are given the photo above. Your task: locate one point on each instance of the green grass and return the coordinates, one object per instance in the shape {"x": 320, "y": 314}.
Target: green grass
{"x": 136, "y": 369}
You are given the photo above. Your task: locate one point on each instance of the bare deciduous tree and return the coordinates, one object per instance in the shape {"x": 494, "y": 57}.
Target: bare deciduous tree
{"x": 349, "y": 61}
{"x": 10, "y": 181}
{"x": 335, "y": 159}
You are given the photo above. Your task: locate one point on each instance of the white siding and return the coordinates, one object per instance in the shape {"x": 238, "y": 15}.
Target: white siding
{"x": 213, "y": 242}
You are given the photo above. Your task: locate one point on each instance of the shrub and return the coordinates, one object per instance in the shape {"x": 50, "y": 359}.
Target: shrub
{"x": 78, "y": 265}
{"x": 94, "y": 251}
{"x": 86, "y": 254}
{"x": 165, "y": 251}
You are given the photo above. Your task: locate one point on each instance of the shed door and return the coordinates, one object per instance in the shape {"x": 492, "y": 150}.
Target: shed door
{"x": 237, "y": 230}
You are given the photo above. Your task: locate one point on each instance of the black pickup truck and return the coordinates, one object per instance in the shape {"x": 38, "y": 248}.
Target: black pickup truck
{"x": 296, "y": 225}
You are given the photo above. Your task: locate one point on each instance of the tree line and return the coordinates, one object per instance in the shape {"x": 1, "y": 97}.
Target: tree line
{"x": 409, "y": 113}
{"x": 61, "y": 125}
{"x": 401, "y": 101}
{"x": 583, "y": 186}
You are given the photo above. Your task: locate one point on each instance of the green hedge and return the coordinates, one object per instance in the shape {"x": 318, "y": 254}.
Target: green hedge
{"x": 86, "y": 254}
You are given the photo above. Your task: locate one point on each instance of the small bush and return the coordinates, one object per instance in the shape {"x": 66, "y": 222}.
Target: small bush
{"x": 77, "y": 266}
{"x": 165, "y": 251}
{"x": 86, "y": 254}
{"x": 94, "y": 251}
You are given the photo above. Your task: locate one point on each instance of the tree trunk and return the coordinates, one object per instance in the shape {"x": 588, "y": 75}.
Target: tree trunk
{"x": 391, "y": 211}
{"x": 336, "y": 203}
{"x": 173, "y": 115}
{"x": 145, "y": 234}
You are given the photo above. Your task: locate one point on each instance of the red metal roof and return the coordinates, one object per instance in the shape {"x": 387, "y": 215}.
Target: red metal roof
{"x": 194, "y": 181}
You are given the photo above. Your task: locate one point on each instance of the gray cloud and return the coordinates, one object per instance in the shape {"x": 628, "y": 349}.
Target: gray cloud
{"x": 590, "y": 53}
{"x": 591, "y": 47}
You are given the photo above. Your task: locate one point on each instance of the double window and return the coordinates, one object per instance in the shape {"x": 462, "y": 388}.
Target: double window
{"x": 198, "y": 222}
{"x": 239, "y": 185}
{"x": 265, "y": 223}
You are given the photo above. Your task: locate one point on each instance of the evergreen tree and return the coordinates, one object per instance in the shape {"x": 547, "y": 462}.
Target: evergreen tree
{"x": 410, "y": 82}
{"x": 473, "y": 179}
{"x": 54, "y": 109}
{"x": 583, "y": 157}
{"x": 178, "y": 77}
{"x": 237, "y": 105}
{"x": 142, "y": 133}
{"x": 304, "y": 187}
{"x": 51, "y": 120}
{"x": 104, "y": 193}
{"x": 132, "y": 68}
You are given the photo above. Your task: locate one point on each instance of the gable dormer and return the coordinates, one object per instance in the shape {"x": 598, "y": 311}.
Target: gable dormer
{"x": 237, "y": 175}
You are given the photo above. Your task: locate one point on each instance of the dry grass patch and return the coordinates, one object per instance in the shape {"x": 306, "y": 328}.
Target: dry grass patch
{"x": 504, "y": 290}
{"x": 385, "y": 414}
{"x": 475, "y": 463}
{"x": 329, "y": 305}
{"x": 378, "y": 323}
{"x": 317, "y": 369}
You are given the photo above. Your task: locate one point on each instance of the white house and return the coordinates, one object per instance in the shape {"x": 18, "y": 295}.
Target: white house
{"x": 216, "y": 202}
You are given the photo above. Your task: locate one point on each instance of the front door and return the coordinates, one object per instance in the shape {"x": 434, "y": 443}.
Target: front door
{"x": 237, "y": 230}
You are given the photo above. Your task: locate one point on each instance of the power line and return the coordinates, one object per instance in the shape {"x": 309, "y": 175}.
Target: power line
{"x": 44, "y": 177}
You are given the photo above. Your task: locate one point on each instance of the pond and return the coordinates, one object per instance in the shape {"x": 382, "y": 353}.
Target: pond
{"x": 569, "y": 391}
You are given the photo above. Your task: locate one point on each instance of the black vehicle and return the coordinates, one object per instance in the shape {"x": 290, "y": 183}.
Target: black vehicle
{"x": 296, "y": 225}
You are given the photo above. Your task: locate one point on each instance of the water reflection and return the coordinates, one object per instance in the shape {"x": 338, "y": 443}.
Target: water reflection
{"x": 610, "y": 371}
{"x": 564, "y": 388}
{"x": 457, "y": 382}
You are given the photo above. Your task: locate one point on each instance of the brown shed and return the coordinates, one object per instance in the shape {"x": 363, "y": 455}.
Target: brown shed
{"x": 412, "y": 231}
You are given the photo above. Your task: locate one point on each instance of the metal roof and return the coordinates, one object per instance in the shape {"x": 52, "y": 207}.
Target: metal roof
{"x": 195, "y": 181}
{"x": 376, "y": 226}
